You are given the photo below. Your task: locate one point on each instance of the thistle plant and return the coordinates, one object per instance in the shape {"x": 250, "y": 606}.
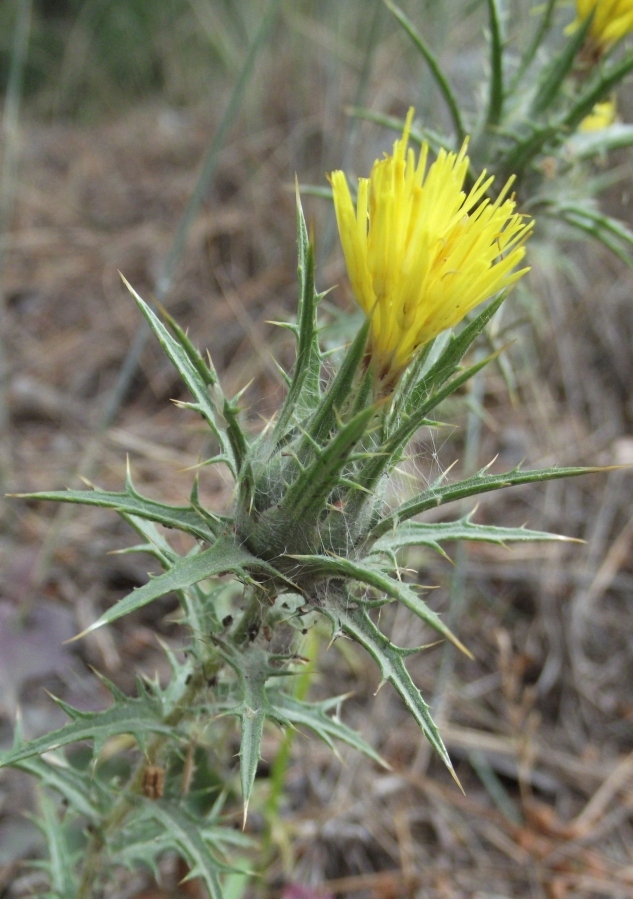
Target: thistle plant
{"x": 432, "y": 251}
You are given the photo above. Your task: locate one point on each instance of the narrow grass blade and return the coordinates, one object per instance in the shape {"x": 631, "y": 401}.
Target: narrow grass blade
{"x": 551, "y": 79}
{"x": 433, "y": 64}
{"x": 495, "y": 89}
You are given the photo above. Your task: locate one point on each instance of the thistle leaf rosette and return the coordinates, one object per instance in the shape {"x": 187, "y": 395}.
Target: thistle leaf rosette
{"x": 421, "y": 252}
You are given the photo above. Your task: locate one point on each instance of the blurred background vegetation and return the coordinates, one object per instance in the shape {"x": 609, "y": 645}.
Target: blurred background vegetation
{"x": 120, "y": 104}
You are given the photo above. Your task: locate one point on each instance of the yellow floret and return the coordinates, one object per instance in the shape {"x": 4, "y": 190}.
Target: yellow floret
{"x": 420, "y": 252}
{"x": 612, "y": 20}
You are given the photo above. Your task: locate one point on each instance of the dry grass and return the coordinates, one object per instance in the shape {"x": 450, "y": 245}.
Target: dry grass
{"x": 540, "y": 725}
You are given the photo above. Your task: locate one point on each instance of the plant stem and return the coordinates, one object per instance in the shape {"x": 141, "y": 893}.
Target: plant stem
{"x": 251, "y": 620}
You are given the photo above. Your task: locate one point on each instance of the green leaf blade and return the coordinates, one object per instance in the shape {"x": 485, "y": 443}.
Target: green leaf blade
{"x": 132, "y": 715}
{"x": 473, "y": 486}
{"x": 225, "y": 556}
{"x": 356, "y": 623}
{"x": 304, "y": 392}
{"x": 373, "y": 576}
{"x": 433, "y": 535}
{"x": 552, "y": 78}
{"x": 81, "y": 791}
{"x": 337, "y": 394}
{"x": 313, "y": 716}
{"x": 61, "y": 861}
{"x": 434, "y": 66}
{"x": 189, "y": 371}
{"x": 496, "y": 89}
{"x": 184, "y": 518}
{"x": 183, "y": 832}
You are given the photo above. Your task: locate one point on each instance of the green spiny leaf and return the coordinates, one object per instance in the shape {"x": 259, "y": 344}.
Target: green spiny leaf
{"x": 144, "y": 836}
{"x": 184, "y": 518}
{"x": 539, "y": 35}
{"x": 615, "y": 235}
{"x": 196, "y": 383}
{"x": 600, "y": 87}
{"x": 353, "y": 620}
{"x": 226, "y": 555}
{"x": 373, "y": 576}
{"x": 448, "y": 362}
{"x": 204, "y": 367}
{"x": 478, "y": 483}
{"x": 338, "y": 392}
{"x": 138, "y": 716}
{"x": 433, "y": 535}
{"x": 314, "y": 716}
{"x": 253, "y": 669}
{"x": 304, "y": 392}
{"x": 83, "y": 792}
{"x": 306, "y": 498}
{"x": 418, "y": 135}
{"x": 527, "y": 143}
{"x": 369, "y": 476}
{"x": 61, "y": 861}
{"x": 182, "y": 832}
{"x": 587, "y": 144}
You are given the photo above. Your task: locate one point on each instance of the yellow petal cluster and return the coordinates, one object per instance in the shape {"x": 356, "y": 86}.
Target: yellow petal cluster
{"x": 612, "y": 20}
{"x": 420, "y": 251}
{"x": 601, "y": 116}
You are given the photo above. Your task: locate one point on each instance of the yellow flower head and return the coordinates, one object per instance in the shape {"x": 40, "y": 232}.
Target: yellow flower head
{"x": 601, "y": 116}
{"x": 612, "y": 20}
{"x": 420, "y": 252}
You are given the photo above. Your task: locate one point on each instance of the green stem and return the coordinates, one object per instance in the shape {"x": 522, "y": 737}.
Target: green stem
{"x": 251, "y": 620}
